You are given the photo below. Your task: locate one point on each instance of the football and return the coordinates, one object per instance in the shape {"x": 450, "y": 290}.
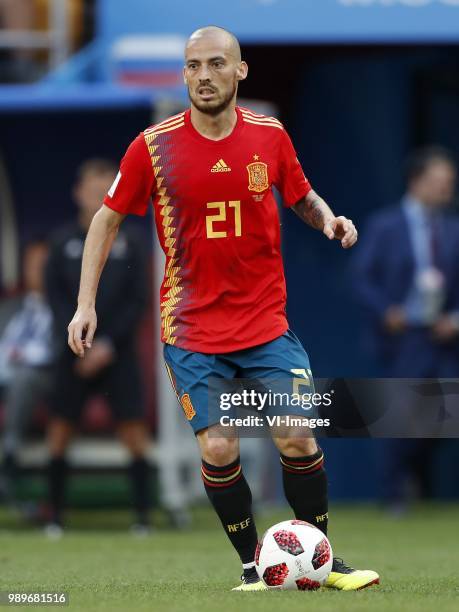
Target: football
{"x": 293, "y": 555}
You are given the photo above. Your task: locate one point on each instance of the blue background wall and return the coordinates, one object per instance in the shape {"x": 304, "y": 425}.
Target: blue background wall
{"x": 289, "y": 20}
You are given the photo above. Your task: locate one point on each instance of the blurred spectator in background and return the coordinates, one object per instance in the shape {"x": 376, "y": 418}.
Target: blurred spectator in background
{"x": 112, "y": 364}
{"x": 26, "y": 356}
{"x": 407, "y": 273}
{"x": 407, "y": 278}
{"x": 71, "y": 26}
{"x": 18, "y": 64}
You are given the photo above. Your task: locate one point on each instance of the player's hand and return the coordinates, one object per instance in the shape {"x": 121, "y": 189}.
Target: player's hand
{"x": 81, "y": 330}
{"x": 343, "y": 229}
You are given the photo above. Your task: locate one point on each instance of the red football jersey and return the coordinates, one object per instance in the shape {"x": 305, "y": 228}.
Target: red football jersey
{"x": 218, "y": 224}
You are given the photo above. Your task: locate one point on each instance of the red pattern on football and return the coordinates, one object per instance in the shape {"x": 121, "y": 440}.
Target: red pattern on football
{"x": 306, "y": 584}
{"x": 288, "y": 542}
{"x": 257, "y": 553}
{"x": 321, "y": 554}
{"x": 258, "y": 549}
{"x": 276, "y": 574}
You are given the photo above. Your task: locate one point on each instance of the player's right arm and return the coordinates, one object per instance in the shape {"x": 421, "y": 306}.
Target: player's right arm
{"x": 101, "y": 233}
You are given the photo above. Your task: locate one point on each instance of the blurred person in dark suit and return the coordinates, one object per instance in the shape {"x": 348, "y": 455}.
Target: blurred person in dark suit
{"x": 111, "y": 366}
{"x": 406, "y": 273}
{"x": 26, "y": 357}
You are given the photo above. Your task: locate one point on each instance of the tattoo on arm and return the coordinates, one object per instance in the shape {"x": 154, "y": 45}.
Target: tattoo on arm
{"x": 313, "y": 210}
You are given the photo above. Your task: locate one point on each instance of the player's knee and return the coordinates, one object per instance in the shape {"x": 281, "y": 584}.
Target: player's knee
{"x": 297, "y": 447}
{"x": 220, "y": 451}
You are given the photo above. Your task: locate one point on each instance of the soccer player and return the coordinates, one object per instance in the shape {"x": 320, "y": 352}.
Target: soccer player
{"x": 210, "y": 171}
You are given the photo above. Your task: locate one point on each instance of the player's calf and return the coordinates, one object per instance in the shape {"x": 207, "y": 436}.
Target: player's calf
{"x": 305, "y": 480}
{"x": 230, "y": 495}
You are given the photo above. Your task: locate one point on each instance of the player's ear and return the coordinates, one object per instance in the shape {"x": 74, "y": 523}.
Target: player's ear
{"x": 242, "y": 71}
{"x": 184, "y": 76}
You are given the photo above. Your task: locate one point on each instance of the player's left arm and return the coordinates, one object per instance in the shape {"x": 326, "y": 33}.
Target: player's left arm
{"x": 313, "y": 210}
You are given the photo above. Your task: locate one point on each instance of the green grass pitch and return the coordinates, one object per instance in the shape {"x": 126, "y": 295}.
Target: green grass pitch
{"x": 105, "y": 568}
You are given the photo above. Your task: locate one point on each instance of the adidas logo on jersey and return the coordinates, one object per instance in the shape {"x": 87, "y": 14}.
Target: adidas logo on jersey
{"x": 220, "y": 166}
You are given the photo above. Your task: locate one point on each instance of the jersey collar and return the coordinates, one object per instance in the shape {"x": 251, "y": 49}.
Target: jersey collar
{"x": 223, "y": 141}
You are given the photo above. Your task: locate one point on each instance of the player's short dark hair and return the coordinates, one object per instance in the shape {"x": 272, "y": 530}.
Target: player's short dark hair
{"x": 211, "y": 27}
{"x": 418, "y": 162}
{"x": 96, "y": 166}
{"x": 217, "y": 27}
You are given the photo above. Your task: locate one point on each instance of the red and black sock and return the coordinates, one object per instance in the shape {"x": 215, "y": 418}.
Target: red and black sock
{"x": 230, "y": 495}
{"x": 305, "y": 487}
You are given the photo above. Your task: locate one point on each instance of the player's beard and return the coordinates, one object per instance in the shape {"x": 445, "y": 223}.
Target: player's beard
{"x": 213, "y": 108}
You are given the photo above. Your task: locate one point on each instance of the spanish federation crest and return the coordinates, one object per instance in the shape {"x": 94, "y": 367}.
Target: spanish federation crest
{"x": 258, "y": 176}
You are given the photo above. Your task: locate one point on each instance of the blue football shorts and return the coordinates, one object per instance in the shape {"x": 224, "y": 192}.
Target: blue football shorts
{"x": 279, "y": 366}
